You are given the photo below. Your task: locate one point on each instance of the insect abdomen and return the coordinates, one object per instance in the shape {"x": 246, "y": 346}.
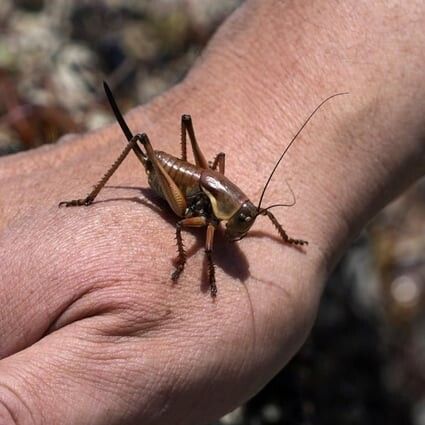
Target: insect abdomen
{"x": 185, "y": 175}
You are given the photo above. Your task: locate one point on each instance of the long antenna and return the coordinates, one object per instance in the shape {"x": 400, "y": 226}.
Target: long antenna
{"x": 290, "y": 144}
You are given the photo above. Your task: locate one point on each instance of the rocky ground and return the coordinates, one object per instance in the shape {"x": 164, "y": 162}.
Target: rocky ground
{"x": 364, "y": 362}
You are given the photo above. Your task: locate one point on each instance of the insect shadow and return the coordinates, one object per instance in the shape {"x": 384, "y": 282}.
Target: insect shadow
{"x": 228, "y": 256}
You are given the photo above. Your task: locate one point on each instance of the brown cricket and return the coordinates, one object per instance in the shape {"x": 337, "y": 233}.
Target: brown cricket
{"x": 200, "y": 194}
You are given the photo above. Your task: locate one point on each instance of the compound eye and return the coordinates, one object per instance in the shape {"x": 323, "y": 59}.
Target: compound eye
{"x": 243, "y": 218}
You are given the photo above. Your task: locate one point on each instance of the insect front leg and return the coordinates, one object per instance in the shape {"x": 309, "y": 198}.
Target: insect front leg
{"x": 182, "y": 257}
{"x": 98, "y": 187}
{"x": 282, "y": 232}
{"x": 208, "y": 252}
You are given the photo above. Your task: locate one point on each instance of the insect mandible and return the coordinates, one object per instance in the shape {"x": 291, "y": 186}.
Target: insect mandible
{"x": 200, "y": 194}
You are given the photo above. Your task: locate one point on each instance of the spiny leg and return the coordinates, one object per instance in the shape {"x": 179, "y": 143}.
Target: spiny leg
{"x": 187, "y": 126}
{"x": 183, "y": 141}
{"x": 219, "y": 161}
{"x": 282, "y": 232}
{"x": 208, "y": 252}
{"x": 92, "y": 195}
{"x": 182, "y": 257}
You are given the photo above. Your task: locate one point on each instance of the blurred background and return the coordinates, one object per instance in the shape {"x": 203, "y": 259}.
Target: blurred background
{"x": 364, "y": 362}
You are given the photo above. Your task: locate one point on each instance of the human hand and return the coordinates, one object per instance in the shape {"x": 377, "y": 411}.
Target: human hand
{"x": 91, "y": 312}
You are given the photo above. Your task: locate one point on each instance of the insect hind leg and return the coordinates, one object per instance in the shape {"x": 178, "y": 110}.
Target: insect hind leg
{"x": 98, "y": 187}
{"x": 169, "y": 189}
